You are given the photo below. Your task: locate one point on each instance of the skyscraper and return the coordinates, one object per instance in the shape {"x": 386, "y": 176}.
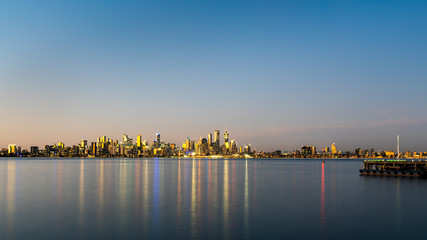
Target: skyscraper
{"x": 158, "y": 139}
{"x": 11, "y": 148}
{"x": 83, "y": 143}
{"x": 216, "y": 138}
{"x": 226, "y": 136}
{"x": 209, "y": 139}
{"x": 226, "y": 143}
{"x": 333, "y": 148}
{"x": 139, "y": 141}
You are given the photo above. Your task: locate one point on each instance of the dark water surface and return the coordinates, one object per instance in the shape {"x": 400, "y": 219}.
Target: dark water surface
{"x": 206, "y": 199}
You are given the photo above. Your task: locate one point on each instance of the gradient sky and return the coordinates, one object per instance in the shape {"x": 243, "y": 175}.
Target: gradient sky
{"x": 276, "y": 74}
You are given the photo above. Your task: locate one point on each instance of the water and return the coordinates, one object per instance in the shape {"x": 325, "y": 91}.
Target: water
{"x": 205, "y": 199}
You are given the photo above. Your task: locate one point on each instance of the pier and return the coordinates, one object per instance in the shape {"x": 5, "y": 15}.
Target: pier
{"x": 396, "y": 168}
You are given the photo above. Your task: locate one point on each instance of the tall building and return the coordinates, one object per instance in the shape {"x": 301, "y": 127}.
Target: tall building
{"x": 308, "y": 150}
{"x": 126, "y": 140}
{"x": 34, "y": 150}
{"x": 139, "y": 141}
{"x": 333, "y": 148}
{"x": 216, "y": 138}
{"x": 209, "y": 139}
{"x": 83, "y": 143}
{"x": 93, "y": 148}
{"x": 187, "y": 143}
{"x": 248, "y": 149}
{"x": 226, "y": 143}
{"x": 158, "y": 139}
{"x": 226, "y": 137}
{"x": 11, "y": 148}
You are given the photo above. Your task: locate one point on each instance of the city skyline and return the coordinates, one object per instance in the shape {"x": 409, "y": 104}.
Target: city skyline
{"x": 210, "y": 139}
{"x": 278, "y": 75}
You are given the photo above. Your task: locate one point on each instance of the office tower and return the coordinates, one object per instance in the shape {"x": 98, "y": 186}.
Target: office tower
{"x": 248, "y": 149}
{"x": 209, "y": 139}
{"x": 83, "y": 143}
{"x": 139, "y": 141}
{"x": 226, "y": 136}
{"x": 158, "y": 139}
{"x": 308, "y": 150}
{"x": 126, "y": 140}
{"x": 93, "y": 148}
{"x": 112, "y": 149}
{"x": 11, "y": 148}
{"x": 233, "y": 145}
{"x": 187, "y": 143}
{"x": 216, "y": 138}
{"x": 34, "y": 150}
{"x": 357, "y": 152}
{"x": 333, "y": 148}
{"x": 226, "y": 143}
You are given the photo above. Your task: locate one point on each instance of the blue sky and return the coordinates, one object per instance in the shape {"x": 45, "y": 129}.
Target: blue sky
{"x": 276, "y": 74}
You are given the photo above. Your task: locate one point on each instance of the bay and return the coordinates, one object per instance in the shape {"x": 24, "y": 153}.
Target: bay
{"x": 45, "y": 198}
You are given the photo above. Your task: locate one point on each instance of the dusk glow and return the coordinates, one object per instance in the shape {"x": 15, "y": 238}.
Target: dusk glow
{"x": 278, "y": 75}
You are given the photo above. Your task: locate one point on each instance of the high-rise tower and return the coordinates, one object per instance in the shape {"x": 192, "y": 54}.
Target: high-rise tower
{"x": 226, "y": 137}
{"x": 158, "y": 139}
{"x": 333, "y": 148}
{"x": 216, "y": 138}
{"x": 209, "y": 139}
{"x": 139, "y": 141}
{"x": 11, "y": 148}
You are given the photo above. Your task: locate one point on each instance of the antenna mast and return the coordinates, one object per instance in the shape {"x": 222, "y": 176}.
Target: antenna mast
{"x": 398, "y": 147}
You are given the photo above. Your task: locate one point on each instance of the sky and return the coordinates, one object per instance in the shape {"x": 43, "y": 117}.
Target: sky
{"x": 275, "y": 74}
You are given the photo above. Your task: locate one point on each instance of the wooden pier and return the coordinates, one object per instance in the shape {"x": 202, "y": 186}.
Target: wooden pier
{"x": 404, "y": 168}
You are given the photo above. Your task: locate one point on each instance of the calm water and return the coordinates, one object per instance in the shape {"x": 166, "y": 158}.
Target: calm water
{"x": 205, "y": 199}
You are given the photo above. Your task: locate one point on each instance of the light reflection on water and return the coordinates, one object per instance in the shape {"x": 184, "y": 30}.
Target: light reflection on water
{"x": 10, "y": 197}
{"x": 203, "y": 199}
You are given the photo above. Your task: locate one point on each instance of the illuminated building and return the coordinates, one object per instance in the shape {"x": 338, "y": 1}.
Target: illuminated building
{"x": 158, "y": 139}
{"x": 126, "y": 140}
{"x": 248, "y": 149}
{"x": 93, "y": 148}
{"x": 333, "y": 148}
{"x": 188, "y": 144}
{"x": 61, "y": 145}
{"x": 233, "y": 146}
{"x": 11, "y": 148}
{"x": 209, "y": 139}
{"x": 216, "y": 138}
{"x": 227, "y": 143}
{"x": 138, "y": 141}
{"x": 34, "y": 150}
{"x": 83, "y": 143}
{"x": 308, "y": 150}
